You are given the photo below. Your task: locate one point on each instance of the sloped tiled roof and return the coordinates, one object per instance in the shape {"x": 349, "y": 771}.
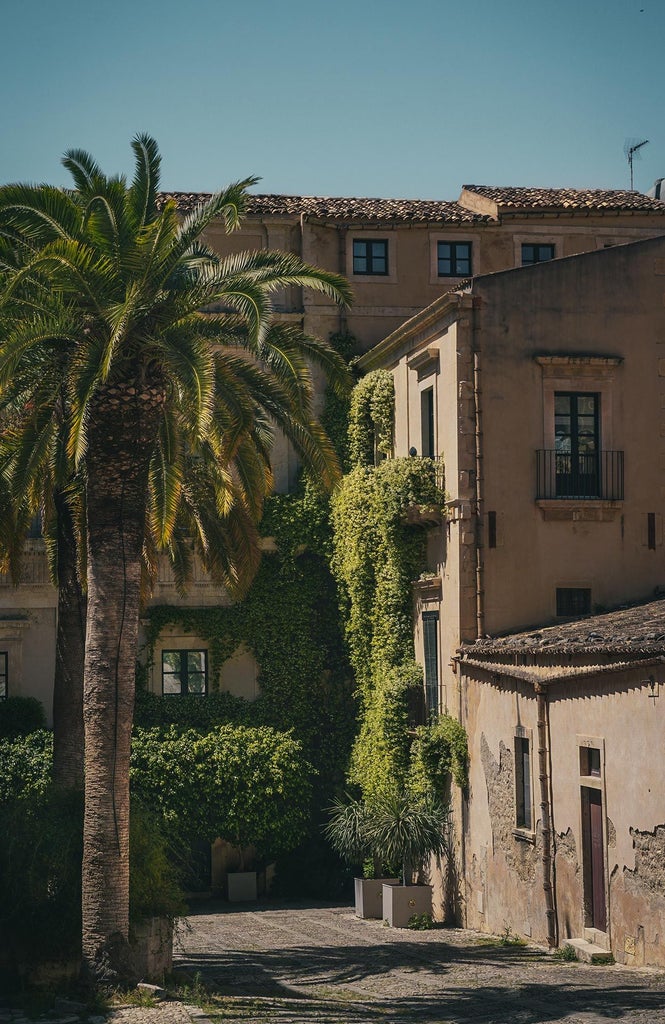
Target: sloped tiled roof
{"x": 638, "y": 630}
{"x": 566, "y": 198}
{"x": 345, "y": 209}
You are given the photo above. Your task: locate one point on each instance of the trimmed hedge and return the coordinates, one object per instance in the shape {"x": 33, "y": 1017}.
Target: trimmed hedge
{"x": 20, "y": 716}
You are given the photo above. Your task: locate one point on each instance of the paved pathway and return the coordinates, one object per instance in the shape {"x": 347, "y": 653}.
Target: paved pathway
{"x": 282, "y": 964}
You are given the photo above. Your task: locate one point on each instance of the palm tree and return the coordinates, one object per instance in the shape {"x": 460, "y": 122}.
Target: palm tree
{"x": 143, "y": 374}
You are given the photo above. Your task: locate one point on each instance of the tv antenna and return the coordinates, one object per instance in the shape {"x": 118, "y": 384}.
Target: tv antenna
{"x": 631, "y": 150}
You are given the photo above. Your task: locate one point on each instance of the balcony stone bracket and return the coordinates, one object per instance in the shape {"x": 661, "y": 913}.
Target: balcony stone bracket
{"x": 558, "y": 510}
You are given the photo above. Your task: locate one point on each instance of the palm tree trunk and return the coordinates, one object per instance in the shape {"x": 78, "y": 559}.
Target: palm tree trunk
{"x": 69, "y": 657}
{"x": 121, "y": 439}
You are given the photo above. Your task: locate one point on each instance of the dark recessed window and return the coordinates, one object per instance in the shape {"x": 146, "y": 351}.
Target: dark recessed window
{"x": 491, "y": 529}
{"x": 573, "y": 601}
{"x": 651, "y": 531}
{"x": 431, "y": 651}
{"x": 536, "y": 254}
{"x": 184, "y": 672}
{"x": 590, "y": 761}
{"x": 453, "y": 259}
{"x": 523, "y": 817}
{"x": 3, "y": 674}
{"x": 370, "y": 256}
{"x": 427, "y": 422}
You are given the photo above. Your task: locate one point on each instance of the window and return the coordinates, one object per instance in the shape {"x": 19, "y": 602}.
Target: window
{"x": 427, "y": 422}
{"x": 370, "y": 256}
{"x": 184, "y": 672}
{"x": 431, "y": 652}
{"x": 536, "y": 254}
{"x": 590, "y": 761}
{"x": 491, "y": 529}
{"x": 651, "y": 531}
{"x": 573, "y": 601}
{"x": 577, "y": 443}
{"x": 3, "y": 674}
{"x": 453, "y": 259}
{"x": 523, "y": 783}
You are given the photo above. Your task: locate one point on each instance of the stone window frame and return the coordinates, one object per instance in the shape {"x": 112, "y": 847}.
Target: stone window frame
{"x": 472, "y": 238}
{"x": 382, "y": 235}
{"x": 586, "y": 741}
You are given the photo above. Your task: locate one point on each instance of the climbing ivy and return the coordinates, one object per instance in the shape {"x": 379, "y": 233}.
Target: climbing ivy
{"x": 371, "y": 418}
{"x": 376, "y": 557}
{"x": 439, "y": 750}
{"x": 289, "y": 620}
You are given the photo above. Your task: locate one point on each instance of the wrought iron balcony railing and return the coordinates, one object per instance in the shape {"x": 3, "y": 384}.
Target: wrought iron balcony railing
{"x": 589, "y": 476}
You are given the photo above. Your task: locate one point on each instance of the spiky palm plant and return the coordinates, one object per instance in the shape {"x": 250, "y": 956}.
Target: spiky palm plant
{"x": 131, "y": 371}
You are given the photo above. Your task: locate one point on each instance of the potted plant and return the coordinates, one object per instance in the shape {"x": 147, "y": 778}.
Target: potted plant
{"x": 407, "y": 829}
{"x": 348, "y": 834}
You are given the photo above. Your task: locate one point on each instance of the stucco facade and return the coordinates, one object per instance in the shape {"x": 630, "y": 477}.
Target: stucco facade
{"x": 570, "y": 718}
{"x": 542, "y": 389}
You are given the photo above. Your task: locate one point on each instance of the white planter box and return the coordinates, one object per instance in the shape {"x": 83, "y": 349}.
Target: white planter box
{"x": 241, "y": 886}
{"x": 401, "y": 902}
{"x": 369, "y": 896}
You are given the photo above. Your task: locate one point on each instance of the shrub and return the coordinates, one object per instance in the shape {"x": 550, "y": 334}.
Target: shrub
{"x": 20, "y": 716}
{"x": 245, "y": 785}
{"x": 26, "y": 766}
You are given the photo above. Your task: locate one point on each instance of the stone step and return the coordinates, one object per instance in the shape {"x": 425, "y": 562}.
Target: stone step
{"x": 591, "y": 952}
{"x": 594, "y": 935}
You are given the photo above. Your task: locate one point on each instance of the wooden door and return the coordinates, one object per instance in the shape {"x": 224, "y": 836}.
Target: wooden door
{"x": 594, "y": 859}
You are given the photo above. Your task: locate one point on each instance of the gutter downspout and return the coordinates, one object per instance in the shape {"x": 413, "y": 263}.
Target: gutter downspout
{"x": 546, "y": 813}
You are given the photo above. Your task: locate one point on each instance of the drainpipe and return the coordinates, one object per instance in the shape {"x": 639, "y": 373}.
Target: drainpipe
{"x": 546, "y": 813}
{"x": 478, "y": 431}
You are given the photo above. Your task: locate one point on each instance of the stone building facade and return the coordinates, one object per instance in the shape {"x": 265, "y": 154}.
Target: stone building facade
{"x": 542, "y": 390}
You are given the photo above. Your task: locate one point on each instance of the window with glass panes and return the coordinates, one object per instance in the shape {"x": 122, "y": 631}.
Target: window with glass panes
{"x": 184, "y": 672}
{"x": 536, "y": 254}
{"x": 370, "y": 256}
{"x": 453, "y": 259}
{"x": 577, "y": 443}
{"x": 431, "y": 653}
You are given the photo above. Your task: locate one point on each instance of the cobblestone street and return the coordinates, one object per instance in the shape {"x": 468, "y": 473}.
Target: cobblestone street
{"x": 283, "y": 964}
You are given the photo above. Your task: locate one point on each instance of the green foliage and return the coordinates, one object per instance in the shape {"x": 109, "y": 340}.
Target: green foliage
{"x": 567, "y": 953}
{"x": 190, "y": 711}
{"x": 245, "y": 785}
{"x": 421, "y": 923}
{"x": 26, "y": 766}
{"x": 40, "y": 859}
{"x": 347, "y": 830}
{"x": 290, "y": 622}
{"x": 376, "y": 558}
{"x": 406, "y": 830}
{"x": 395, "y": 827}
{"x": 439, "y": 750}
{"x": 20, "y": 716}
{"x": 371, "y": 418}
{"x": 155, "y": 862}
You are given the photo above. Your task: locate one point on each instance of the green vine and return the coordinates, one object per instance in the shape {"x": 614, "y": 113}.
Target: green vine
{"x": 371, "y": 418}
{"x": 376, "y": 558}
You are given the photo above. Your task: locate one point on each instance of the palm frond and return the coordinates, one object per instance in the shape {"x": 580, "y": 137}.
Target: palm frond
{"x": 142, "y": 194}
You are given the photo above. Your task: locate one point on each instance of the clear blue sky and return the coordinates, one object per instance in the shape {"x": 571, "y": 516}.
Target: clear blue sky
{"x": 408, "y": 98}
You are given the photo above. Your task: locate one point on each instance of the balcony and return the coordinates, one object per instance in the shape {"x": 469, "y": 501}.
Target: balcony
{"x": 566, "y": 476}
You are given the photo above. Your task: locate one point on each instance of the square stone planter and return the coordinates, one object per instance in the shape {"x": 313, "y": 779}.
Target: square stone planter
{"x": 369, "y": 896}
{"x": 401, "y": 902}
{"x": 242, "y": 887}
{"x": 152, "y": 948}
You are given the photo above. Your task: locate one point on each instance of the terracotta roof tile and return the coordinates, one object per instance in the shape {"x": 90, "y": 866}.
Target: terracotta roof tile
{"x": 639, "y": 629}
{"x": 567, "y": 198}
{"x": 346, "y": 209}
